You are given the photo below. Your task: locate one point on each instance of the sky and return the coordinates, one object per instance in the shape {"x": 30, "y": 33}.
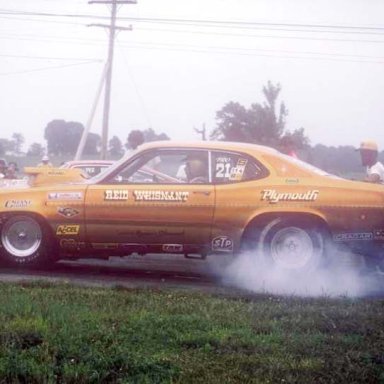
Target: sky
{"x": 184, "y": 60}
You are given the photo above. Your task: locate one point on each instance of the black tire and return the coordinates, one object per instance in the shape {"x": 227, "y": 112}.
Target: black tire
{"x": 293, "y": 245}
{"x": 24, "y": 241}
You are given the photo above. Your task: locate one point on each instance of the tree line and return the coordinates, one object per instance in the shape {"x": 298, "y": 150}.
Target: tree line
{"x": 261, "y": 123}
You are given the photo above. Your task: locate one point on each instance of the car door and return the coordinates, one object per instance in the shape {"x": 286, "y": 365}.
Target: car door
{"x": 238, "y": 181}
{"x": 148, "y": 202}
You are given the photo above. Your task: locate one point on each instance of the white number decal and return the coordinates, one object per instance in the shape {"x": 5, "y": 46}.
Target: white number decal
{"x": 223, "y": 170}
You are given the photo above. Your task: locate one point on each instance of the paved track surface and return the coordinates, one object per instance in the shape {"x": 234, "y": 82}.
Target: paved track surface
{"x": 155, "y": 271}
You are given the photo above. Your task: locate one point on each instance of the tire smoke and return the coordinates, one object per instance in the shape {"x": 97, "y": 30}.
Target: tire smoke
{"x": 345, "y": 276}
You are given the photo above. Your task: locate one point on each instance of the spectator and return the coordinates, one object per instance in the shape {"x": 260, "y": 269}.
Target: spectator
{"x": 11, "y": 172}
{"x": 369, "y": 158}
{"x": 45, "y": 162}
{"x": 287, "y": 146}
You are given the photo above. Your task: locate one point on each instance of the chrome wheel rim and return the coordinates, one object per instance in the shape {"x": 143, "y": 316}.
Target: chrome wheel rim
{"x": 21, "y": 236}
{"x": 292, "y": 248}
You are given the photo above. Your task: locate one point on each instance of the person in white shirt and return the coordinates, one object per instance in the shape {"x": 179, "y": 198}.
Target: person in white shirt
{"x": 369, "y": 158}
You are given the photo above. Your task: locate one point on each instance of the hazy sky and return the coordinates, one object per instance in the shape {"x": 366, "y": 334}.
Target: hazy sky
{"x": 184, "y": 60}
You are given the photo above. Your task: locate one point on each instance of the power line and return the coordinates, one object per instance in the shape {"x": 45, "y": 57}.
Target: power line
{"x": 138, "y": 93}
{"x": 212, "y": 50}
{"x": 329, "y": 28}
{"x": 50, "y": 58}
{"x": 45, "y": 68}
{"x": 255, "y": 52}
{"x": 86, "y": 41}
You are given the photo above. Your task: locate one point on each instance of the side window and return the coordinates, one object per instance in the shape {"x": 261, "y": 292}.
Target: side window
{"x": 165, "y": 167}
{"x": 228, "y": 167}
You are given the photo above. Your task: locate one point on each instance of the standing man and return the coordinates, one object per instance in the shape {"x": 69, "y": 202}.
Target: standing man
{"x": 369, "y": 158}
{"x": 45, "y": 162}
{"x": 12, "y": 170}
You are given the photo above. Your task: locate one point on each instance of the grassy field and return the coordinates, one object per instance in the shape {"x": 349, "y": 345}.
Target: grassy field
{"x": 65, "y": 334}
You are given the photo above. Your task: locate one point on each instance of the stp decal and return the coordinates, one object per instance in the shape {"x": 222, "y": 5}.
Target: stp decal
{"x": 222, "y": 243}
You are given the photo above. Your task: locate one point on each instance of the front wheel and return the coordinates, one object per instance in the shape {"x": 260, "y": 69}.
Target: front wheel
{"x": 292, "y": 245}
{"x": 23, "y": 241}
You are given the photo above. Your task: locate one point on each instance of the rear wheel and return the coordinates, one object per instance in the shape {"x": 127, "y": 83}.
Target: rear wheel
{"x": 292, "y": 245}
{"x": 24, "y": 241}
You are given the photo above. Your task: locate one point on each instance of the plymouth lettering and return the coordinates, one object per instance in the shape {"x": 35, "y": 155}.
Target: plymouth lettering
{"x": 273, "y": 197}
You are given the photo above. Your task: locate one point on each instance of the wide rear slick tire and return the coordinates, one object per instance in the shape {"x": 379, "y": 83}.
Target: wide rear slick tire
{"x": 24, "y": 241}
{"x": 293, "y": 245}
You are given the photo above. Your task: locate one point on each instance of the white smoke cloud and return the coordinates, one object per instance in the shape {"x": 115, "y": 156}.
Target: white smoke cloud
{"x": 343, "y": 277}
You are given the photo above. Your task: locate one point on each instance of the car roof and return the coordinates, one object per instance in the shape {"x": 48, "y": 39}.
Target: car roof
{"x": 221, "y": 145}
{"x": 275, "y": 161}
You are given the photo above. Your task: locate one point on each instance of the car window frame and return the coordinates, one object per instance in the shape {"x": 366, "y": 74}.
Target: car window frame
{"x": 108, "y": 179}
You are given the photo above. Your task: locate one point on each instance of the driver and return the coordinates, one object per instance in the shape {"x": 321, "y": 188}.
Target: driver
{"x": 196, "y": 168}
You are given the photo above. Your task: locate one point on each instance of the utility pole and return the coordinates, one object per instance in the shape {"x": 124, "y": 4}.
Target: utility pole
{"x": 109, "y": 65}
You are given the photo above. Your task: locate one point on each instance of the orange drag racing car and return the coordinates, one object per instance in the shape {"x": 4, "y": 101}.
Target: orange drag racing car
{"x": 201, "y": 198}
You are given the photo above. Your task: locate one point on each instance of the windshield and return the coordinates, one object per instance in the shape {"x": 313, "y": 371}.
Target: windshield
{"x": 95, "y": 179}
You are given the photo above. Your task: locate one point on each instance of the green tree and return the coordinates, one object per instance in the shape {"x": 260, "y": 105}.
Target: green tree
{"x": 134, "y": 139}
{"x": 233, "y": 123}
{"x": 151, "y": 135}
{"x": 18, "y": 140}
{"x": 115, "y": 147}
{"x": 293, "y": 141}
{"x": 261, "y": 123}
{"x": 2, "y": 149}
{"x": 63, "y": 138}
{"x": 35, "y": 149}
{"x": 6, "y": 146}
{"x": 92, "y": 144}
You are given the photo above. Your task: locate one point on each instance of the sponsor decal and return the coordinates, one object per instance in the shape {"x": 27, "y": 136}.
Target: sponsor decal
{"x": 378, "y": 234}
{"x": 364, "y": 236}
{"x": 222, "y": 243}
{"x": 104, "y": 246}
{"x": 116, "y": 194}
{"x": 292, "y": 181}
{"x": 238, "y": 171}
{"x": 65, "y": 195}
{"x": 273, "y": 197}
{"x": 173, "y": 248}
{"x": 161, "y": 195}
{"x": 67, "y": 212}
{"x": 71, "y": 244}
{"x": 17, "y": 203}
{"x": 56, "y": 172}
{"x": 68, "y": 229}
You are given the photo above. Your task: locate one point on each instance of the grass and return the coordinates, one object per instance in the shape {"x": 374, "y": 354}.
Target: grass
{"x": 65, "y": 334}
